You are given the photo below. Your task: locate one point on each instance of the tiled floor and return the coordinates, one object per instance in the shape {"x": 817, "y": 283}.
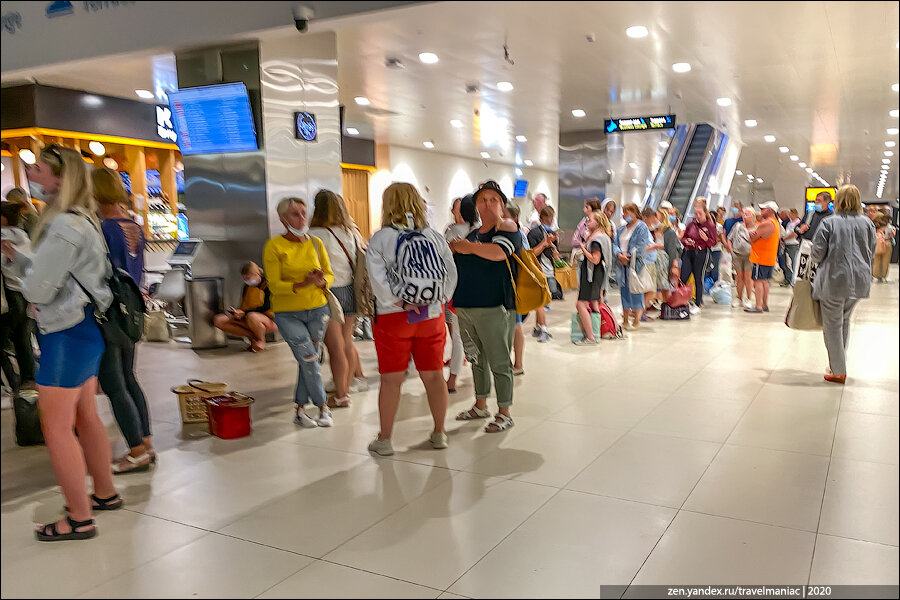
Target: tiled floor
{"x": 697, "y": 452}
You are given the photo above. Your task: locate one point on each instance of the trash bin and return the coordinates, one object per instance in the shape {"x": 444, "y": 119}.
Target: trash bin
{"x": 204, "y": 299}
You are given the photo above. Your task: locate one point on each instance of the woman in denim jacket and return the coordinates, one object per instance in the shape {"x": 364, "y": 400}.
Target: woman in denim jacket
{"x": 632, "y": 240}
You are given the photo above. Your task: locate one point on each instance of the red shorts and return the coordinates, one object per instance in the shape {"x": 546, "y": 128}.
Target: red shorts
{"x": 395, "y": 340}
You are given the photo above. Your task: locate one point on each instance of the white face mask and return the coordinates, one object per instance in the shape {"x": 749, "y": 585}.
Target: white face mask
{"x": 298, "y": 232}
{"x": 253, "y": 282}
{"x": 38, "y": 192}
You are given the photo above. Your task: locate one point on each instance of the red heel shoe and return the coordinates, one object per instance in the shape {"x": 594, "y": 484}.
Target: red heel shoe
{"x": 841, "y": 379}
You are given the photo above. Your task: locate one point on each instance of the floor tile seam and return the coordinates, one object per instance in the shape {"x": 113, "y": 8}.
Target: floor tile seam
{"x": 370, "y": 572}
{"x": 746, "y": 520}
{"x": 865, "y": 412}
{"x": 853, "y": 539}
{"x": 621, "y": 498}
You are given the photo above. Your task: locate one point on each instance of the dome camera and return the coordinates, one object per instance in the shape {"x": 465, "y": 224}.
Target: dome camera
{"x": 302, "y": 16}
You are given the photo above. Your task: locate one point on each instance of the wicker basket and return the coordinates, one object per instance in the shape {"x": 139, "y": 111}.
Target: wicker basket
{"x": 192, "y": 399}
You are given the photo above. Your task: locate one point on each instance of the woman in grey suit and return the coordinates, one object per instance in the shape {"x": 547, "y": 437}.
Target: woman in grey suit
{"x": 844, "y": 247}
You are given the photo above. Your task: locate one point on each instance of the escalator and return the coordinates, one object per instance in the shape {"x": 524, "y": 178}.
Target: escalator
{"x": 691, "y": 167}
{"x": 686, "y": 167}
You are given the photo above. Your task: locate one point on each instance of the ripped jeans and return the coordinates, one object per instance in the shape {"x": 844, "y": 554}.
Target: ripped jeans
{"x": 304, "y": 331}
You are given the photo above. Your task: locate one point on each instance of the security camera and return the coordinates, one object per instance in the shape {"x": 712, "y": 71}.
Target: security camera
{"x": 302, "y": 15}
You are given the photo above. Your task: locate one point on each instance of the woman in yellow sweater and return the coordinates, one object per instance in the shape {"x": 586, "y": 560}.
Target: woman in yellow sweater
{"x": 299, "y": 273}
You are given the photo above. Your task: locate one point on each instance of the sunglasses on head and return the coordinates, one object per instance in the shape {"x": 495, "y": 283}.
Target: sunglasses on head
{"x": 490, "y": 185}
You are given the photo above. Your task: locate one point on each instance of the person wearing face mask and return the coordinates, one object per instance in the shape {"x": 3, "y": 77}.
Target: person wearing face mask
{"x": 65, "y": 278}
{"x": 254, "y": 319}
{"x": 806, "y": 230}
{"x": 699, "y": 236}
{"x": 736, "y": 216}
{"x": 299, "y": 274}
{"x": 631, "y": 240}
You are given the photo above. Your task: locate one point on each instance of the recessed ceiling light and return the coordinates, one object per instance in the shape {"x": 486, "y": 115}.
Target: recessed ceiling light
{"x": 794, "y": 157}
{"x": 893, "y": 131}
{"x": 664, "y": 144}
{"x": 896, "y": 87}
{"x": 723, "y": 101}
{"x": 521, "y": 138}
{"x": 801, "y": 164}
{"x": 529, "y": 162}
{"x": 429, "y": 58}
{"x": 890, "y": 144}
{"x": 635, "y": 181}
{"x": 97, "y": 148}
{"x": 27, "y": 156}
{"x": 769, "y": 138}
{"x": 485, "y": 155}
{"x": 145, "y": 94}
{"x": 784, "y": 149}
{"x": 895, "y": 113}
{"x": 428, "y": 145}
{"x": 633, "y": 165}
{"x": 750, "y": 123}
{"x": 637, "y": 31}
{"x": 888, "y": 153}
{"x": 681, "y": 67}
{"x": 362, "y": 101}
{"x": 504, "y": 86}
{"x": 760, "y": 180}
{"x": 886, "y": 161}
{"x": 578, "y": 113}
{"x": 519, "y": 172}
{"x": 110, "y": 163}
{"x": 352, "y": 131}
{"x": 456, "y": 123}
{"x": 809, "y": 169}
{"x": 738, "y": 172}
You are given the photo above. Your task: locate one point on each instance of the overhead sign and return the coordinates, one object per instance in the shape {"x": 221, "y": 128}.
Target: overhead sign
{"x": 165, "y": 128}
{"x": 639, "y": 123}
{"x": 305, "y": 127}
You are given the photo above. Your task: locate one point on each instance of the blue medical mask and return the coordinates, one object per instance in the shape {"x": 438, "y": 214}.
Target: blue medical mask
{"x": 38, "y": 192}
{"x": 734, "y": 211}
{"x": 820, "y": 208}
{"x": 629, "y": 219}
{"x": 671, "y": 218}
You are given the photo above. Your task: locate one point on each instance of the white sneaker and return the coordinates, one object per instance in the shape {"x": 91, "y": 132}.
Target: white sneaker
{"x": 438, "y": 440}
{"x": 748, "y": 304}
{"x": 302, "y": 419}
{"x": 736, "y": 303}
{"x": 695, "y": 310}
{"x": 359, "y": 385}
{"x": 325, "y": 419}
{"x": 329, "y": 387}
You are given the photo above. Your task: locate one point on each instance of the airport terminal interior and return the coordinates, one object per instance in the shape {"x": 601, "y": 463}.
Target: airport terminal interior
{"x": 710, "y": 445}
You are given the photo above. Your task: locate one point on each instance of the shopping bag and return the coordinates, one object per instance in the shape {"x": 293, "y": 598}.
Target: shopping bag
{"x": 804, "y": 313}
{"x": 640, "y": 282}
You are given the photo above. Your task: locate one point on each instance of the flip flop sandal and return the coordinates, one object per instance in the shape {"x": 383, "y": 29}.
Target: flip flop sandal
{"x": 137, "y": 465}
{"x": 49, "y": 533}
{"x": 500, "y": 423}
{"x": 473, "y": 414}
{"x": 517, "y": 372}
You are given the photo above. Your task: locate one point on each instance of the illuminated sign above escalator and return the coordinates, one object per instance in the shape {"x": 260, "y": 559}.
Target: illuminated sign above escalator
{"x": 639, "y": 123}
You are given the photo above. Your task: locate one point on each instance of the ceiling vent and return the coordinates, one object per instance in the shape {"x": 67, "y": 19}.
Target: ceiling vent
{"x": 394, "y": 63}
{"x": 472, "y": 88}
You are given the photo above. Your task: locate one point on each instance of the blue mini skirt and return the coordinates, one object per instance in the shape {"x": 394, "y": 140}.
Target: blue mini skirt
{"x": 72, "y": 356}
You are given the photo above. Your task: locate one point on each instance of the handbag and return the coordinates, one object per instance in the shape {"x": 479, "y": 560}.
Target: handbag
{"x": 680, "y": 294}
{"x": 804, "y": 312}
{"x": 362, "y": 287}
{"x": 640, "y": 282}
{"x": 28, "y": 420}
{"x": 334, "y": 307}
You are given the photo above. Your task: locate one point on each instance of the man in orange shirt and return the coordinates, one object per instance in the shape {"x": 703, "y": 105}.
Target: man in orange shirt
{"x": 764, "y": 239}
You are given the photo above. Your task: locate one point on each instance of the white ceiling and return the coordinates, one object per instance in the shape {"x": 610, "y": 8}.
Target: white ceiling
{"x": 809, "y": 72}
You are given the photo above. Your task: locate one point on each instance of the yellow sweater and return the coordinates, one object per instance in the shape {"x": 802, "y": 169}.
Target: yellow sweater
{"x": 286, "y": 263}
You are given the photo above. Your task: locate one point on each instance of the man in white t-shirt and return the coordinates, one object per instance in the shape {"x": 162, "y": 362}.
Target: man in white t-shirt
{"x": 539, "y": 201}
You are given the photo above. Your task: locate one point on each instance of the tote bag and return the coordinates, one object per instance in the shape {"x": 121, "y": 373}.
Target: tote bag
{"x": 640, "y": 282}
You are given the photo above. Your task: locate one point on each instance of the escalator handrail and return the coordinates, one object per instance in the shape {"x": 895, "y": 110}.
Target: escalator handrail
{"x": 704, "y": 164}
{"x": 673, "y": 176}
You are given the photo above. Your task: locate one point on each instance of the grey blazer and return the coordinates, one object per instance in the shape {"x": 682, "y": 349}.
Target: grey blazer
{"x": 844, "y": 247}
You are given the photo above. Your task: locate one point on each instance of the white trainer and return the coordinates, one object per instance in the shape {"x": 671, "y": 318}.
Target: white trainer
{"x": 325, "y": 419}
{"x": 359, "y": 385}
{"x": 302, "y": 419}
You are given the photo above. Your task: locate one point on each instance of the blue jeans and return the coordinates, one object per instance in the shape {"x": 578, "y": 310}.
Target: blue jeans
{"x": 304, "y": 330}
{"x": 715, "y": 258}
{"x": 630, "y": 301}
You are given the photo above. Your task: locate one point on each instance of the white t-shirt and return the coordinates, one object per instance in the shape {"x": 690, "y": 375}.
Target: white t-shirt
{"x": 340, "y": 266}
{"x": 788, "y": 231}
{"x": 719, "y": 230}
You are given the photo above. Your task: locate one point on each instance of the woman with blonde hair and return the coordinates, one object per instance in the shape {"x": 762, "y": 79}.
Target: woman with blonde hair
{"x": 630, "y": 245}
{"x": 299, "y": 275}
{"x": 331, "y": 223}
{"x": 66, "y": 279}
{"x": 125, "y": 241}
{"x": 597, "y": 251}
{"x": 254, "y": 318}
{"x": 844, "y": 248}
{"x": 412, "y": 274}
{"x": 738, "y": 243}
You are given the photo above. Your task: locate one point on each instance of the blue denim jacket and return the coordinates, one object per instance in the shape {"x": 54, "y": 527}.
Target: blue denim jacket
{"x": 637, "y": 247}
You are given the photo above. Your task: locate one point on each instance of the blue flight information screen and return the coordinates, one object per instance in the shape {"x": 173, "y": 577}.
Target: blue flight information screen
{"x": 213, "y": 119}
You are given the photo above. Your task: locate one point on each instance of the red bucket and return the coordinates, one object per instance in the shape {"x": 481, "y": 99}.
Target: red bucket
{"x": 229, "y": 416}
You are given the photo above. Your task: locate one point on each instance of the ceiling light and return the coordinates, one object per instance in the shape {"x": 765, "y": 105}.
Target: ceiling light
{"x": 578, "y": 113}
{"x": 760, "y": 180}
{"x": 485, "y": 155}
{"x": 637, "y": 31}
{"x": 110, "y": 163}
{"x": 888, "y": 153}
{"x": 352, "y": 131}
{"x": 801, "y": 165}
{"x": 769, "y": 138}
{"x": 723, "y": 101}
{"x": 890, "y": 144}
{"x": 895, "y": 113}
{"x": 428, "y": 145}
{"x": 886, "y": 161}
{"x": 784, "y": 149}
{"x": 750, "y": 123}
{"x": 97, "y": 148}
{"x": 635, "y": 181}
{"x": 456, "y": 123}
{"x": 429, "y": 58}
{"x": 519, "y": 172}
{"x": 145, "y": 94}
{"x": 749, "y": 177}
{"x": 893, "y": 131}
{"x": 681, "y": 67}
{"x": 896, "y": 87}
{"x": 738, "y": 172}
{"x": 794, "y": 157}
{"x": 809, "y": 169}
{"x": 504, "y": 86}
{"x": 27, "y": 156}
{"x": 362, "y": 101}
{"x": 529, "y": 162}
{"x": 521, "y": 138}
{"x": 633, "y": 165}
{"x": 664, "y": 144}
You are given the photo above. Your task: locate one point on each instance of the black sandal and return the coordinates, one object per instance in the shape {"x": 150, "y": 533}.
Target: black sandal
{"x": 49, "y": 533}
{"x": 114, "y": 503}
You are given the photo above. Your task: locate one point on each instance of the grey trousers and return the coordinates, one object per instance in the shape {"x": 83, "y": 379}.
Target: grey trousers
{"x": 836, "y": 328}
